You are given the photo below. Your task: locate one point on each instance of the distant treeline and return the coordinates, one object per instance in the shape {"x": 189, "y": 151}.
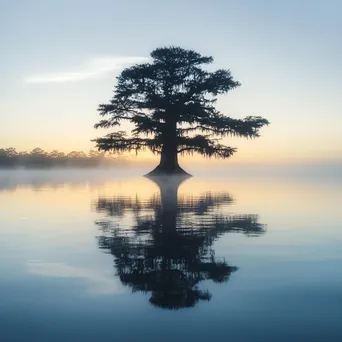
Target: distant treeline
{"x": 9, "y": 157}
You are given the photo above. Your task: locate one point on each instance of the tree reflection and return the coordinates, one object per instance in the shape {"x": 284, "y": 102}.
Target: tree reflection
{"x": 168, "y": 249}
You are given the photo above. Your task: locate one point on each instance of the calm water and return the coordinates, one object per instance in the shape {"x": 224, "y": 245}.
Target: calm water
{"x": 90, "y": 255}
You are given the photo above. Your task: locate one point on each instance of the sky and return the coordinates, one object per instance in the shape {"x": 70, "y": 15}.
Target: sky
{"x": 60, "y": 58}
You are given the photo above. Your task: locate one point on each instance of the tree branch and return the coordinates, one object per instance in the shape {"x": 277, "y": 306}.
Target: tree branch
{"x": 203, "y": 145}
{"x": 117, "y": 142}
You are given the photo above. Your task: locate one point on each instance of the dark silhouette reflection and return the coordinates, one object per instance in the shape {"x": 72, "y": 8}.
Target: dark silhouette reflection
{"x": 168, "y": 249}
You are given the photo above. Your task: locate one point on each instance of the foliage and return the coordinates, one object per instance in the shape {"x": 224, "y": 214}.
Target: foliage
{"x": 9, "y": 157}
{"x": 171, "y": 103}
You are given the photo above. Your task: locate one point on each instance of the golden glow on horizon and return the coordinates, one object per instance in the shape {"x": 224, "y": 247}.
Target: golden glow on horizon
{"x": 274, "y": 146}
{"x": 269, "y": 198}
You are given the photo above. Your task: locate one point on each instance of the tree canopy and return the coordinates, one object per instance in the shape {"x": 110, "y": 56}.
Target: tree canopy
{"x": 171, "y": 103}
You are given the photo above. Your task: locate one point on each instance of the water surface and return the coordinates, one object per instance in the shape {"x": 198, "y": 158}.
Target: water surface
{"x": 86, "y": 255}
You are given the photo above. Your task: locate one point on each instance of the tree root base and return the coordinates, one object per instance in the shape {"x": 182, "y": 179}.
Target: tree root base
{"x": 160, "y": 171}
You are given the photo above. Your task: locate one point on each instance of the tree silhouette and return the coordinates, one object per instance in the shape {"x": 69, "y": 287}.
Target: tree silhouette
{"x": 168, "y": 249}
{"x": 10, "y": 158}
{"x": 170, "y": 101}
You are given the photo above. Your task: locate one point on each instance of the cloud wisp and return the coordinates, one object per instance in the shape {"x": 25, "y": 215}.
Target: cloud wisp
{"x": 92, "y": 69}
{"x": 97, "y": 282}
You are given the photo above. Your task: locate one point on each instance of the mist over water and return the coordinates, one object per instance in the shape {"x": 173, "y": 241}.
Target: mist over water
{"x": 224, "y": 255}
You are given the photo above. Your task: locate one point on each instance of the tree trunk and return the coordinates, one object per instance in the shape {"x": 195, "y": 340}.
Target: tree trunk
{"x": 169, "y": 156}
{"x": 168, "y": 187}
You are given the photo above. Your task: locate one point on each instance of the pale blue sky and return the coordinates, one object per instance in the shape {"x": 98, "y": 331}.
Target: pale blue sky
{"x": 59, "y": 59}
